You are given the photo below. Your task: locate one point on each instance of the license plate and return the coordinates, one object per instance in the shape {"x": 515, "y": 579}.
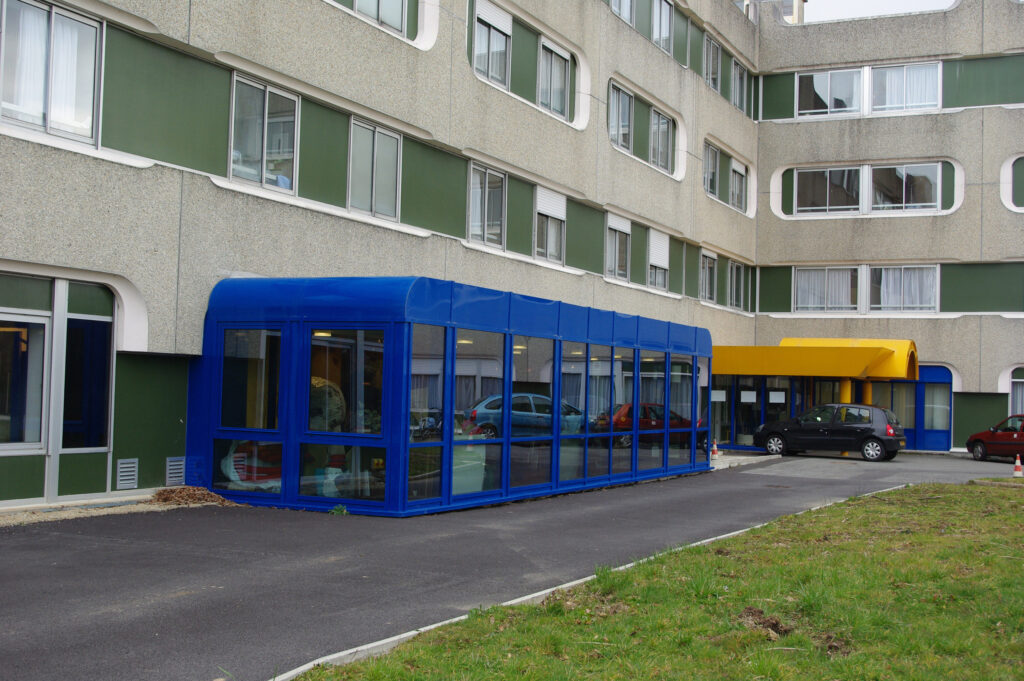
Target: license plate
{"x": 903, "y": 443}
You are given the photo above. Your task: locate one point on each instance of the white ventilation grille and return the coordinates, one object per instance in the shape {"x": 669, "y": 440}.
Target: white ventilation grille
{"x": 174, "y": 473}
{"x": 127, "y": 473}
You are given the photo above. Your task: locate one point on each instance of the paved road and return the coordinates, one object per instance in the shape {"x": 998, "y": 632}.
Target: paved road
{"x": 244, "y": 593}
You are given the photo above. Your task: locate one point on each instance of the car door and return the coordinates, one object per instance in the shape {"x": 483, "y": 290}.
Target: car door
{"x": 523, "y": 423}
{"x": 810, "y": 430}
{"x": 1006, "y": 440}
{"x": 849, "y": 428}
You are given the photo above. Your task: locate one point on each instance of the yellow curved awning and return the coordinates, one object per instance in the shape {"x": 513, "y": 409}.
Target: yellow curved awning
{"x": 860, "y": 358}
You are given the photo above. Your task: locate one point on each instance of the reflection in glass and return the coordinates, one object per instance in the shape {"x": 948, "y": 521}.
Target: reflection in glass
{"x": 247, "y": 465}
{"x": 598, "y": 456}
{"x": 936, "y": 406}
{"x": 21, "y": 381}
{"x": 574, "y": 371}
{"x": 424, "y": 473}
{"x": 252, "y": 360}
{"x": 361, "y": 173}
{"x": 343, "y": 472}
{"x": 721, "y": 412}
{"x": 678, "y": 449}
{"x": 652, "y": 383}
{"x": 530, "y": 463}
{"x": 426, "y": 385}
{"x": 476, "y": 468}
{"x": 748, "y": 408}
{"x": 346, "y": 380}
{"x": 622, "y": 454}
{"x": 599, "y": 389}
{"x": 623, "y": 416}
{"x": 86, "y": 384}
{"x": 280, "y": 141}
{"x": 479, "y": 377}
{"x": 247, "y": 141}
{"x": 703, "y": 392}
{"x": 681, "y": 387}
{"x": 570, "y": 460}
{"x": 649, "y": 452}
{"x": 74, "y": 74}
{"x": 532, "y": 359}
{"x": 776, "y": 406}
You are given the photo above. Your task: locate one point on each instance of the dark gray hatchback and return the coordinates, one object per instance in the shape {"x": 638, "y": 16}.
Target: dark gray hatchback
{"x": 873, "y": 431}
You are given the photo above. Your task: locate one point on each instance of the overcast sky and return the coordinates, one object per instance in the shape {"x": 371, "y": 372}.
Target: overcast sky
{"x": 825, "y": 10}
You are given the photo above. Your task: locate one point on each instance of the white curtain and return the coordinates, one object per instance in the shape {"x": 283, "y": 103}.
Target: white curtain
{"x": 890, "y": 288}
{"x": 840, "y": 290}
{"x": 922, "y": 86}
{"x": 918, "y": 288}
{"x": 25, "y": 63}
{"x": 74, "y": 66}
{"x": 810, "y": 289}
{"x": 1017, "y": 397}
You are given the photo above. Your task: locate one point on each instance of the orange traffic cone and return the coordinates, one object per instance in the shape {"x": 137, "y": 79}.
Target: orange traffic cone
{"x": 1017, "y": 473}
{"x": 714, "y": 451}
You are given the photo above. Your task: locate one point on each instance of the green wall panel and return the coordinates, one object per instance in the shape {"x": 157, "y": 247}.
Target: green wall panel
{"x": 725, "y": 76}
{"x": 993, "y": 287}
{"x": 676, "y": 265}
{"x": 323, "y": 154}
{"x": 519, "y": 225}
{"x": 584, "y": 237}
{"x": 642, "y": 17}
{"x": 981, "y": 82}
{"x": 641, "y": 129}
{"x": 90, "y": 299}
{"x": 948, "y": 185}
{"x": 22, "y": 477}
{"x": 346, "y": 3}
{"x": 753, "y": 97}
{"x": 412, "y": 19}
{"x": 525, "y": 45}
{"x": 1018, "y": 182}
{"x": 165, "y": 105}
{"x": 150, "y": 405}
{"x": 1018, "y": 374}
{"x": 26, "y": 293}
{"x": 722, "y": 285}
{"x": 776, "y": 291}
{"x": 434, "y": 188}
{"x": 779, "y": 96}
{"x": 638, "y": 254}
{"x": 697, "y": 50}
{"x": 724, "y": 175}
{"x": 974, "y": 412}
{"x": 787, "y": 191}
{"x": 679, "y": 26}
{"x": 82, "y": 474}
{"x": 692, "y": 272}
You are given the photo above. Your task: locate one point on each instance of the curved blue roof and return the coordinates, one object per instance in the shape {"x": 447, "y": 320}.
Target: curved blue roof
{"x": 434, "y": 301}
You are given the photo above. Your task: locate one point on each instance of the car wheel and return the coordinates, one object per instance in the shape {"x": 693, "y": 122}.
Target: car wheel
{"x": 979, "y": 452}
{"x": 872, "y": 450}
{"x": 775, "y": 444}
{"x": 488, "y": 431}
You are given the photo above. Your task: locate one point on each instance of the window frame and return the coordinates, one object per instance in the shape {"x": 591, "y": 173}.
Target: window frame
{"x": 888, "y": 109}
{"x": 865, "y": 201}
{"x": 488, "y": 172}
{"x": 903, "y": 309}
{"x": 492, "y": 29}
{"x": 46, "y": 385}
{"x": 657, "y": 277}
{"x": 903, "y": 208}
{"x": 711, "y": 179}
{"x": 616, "y": 7}
{"x": 737, "y": 284}
{"x": 617, "y": 93}
{"x": 657, "y": 9}
{"x": 555, "y": 51}
{"x": 818, "y": 113}
{"x": 655, "y": 146}
{"x": 708, "y": 279}
{"x": 739, "y": 93}
{"x": 97, "y": 71}
{"x": 545, "y": 255}
{"x": 738, "y": 190}
{"x": 268, "y": 89}
{"x": 713, "y": 67}
{"x": 376, "y": 130}
{"x": 613, "y": 248}
{"x": 826, "y": 308}
{"x": 380, "y": 22}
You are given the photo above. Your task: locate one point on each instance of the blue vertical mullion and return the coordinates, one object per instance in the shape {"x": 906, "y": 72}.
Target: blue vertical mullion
{"x": 556, "y": 412}
{"x": 399, "y": 338}
{"x": 448, "y": 414}
{"x": 635, "y": 410}
{"x": 294, "y": 384}
{"x": 667, "y": 407}
{"x": 506, "y": 416}
{"x": 694, "y": 407}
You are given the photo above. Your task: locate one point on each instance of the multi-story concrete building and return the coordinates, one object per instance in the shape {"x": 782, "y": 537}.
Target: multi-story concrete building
{"x": 700, "y": 162}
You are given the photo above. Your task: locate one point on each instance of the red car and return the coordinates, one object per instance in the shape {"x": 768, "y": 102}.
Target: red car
{"x": 1005, "y": 439}
{"x": 652, "y": 417}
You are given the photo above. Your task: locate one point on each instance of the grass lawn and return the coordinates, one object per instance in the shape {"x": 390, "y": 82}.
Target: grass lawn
{"x": 925, "y": 583}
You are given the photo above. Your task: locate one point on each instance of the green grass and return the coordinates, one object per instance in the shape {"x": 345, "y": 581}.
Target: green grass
{"x": 1012, "y": 481}
{"x": 918, "y": 584}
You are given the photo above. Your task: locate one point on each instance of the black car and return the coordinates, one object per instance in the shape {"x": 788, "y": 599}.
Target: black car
{"x": 873, "y": 431}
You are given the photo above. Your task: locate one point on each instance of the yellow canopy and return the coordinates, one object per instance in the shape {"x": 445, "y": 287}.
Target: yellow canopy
{"x": 860, "y": 358}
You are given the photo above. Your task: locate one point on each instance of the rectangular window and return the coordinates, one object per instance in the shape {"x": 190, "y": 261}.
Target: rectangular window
{"x": 491, "y": 53}
{"x": 553, "y": 81}
{"x": 708, "y": 277}
{"x": 657, "y": 277}
{"x": 373, "y": 170}
{"x": 907, "y": 187}
{"x": 623, "y": 9}
{"x": 487, "y": 206}
{"x": 617, "y": 248}
{"x": 385, "y": 12}
{"x": 739, "y": 87}
{"x": 712, "y": 64}
{"x": 658, "y": 245}
{"x": 22, "y": 351}
{"x": 900, "y": 88}
{"x": 426, "y": 385}
{"x": 550, "y": 238}
{"x": 738, "y": 188}
{"x": 249, "y": 379}
{"x": 479, "y": 381}
{"x": 710, "y": 169}
{"x": 86, "y": 384}
{"x": 661, "y": 25}
{"x": 50, "y": 69}
{"x": 830, "y": 92}
{"x": 346, "y": 384}
{"x": 828, "y": 190}
{"x": 343, "y": 471}
{"x": 904, "y": 289}
{"x": 662, "y": 128}
{"x": 826, "y": 289}
{"x": 620, "y": 118}
{"x": 263, "y": 135}
{"x": 737, "y": 279}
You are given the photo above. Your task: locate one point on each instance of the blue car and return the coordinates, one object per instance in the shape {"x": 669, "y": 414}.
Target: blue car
{"x": 531, "y": 415}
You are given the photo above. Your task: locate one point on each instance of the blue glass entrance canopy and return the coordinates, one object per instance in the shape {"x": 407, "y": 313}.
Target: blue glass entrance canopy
{"x": 403, "y": 396}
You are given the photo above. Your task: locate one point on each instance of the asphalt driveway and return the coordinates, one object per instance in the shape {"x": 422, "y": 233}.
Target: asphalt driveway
{"x": 244, "y": 593}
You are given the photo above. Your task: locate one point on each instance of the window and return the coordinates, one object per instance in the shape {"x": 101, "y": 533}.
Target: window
{"x": 657, "y": 259}
{"x": 739, "y": 87}
{"x": 373, "y": 170}
{"x": 617, "y": 247}
{"x": 907, "y": 187}
{"x": 710, "y": 169}
{"x": 899, "y": 88}
{"x": 50, "y": 69}
{"x": 738, "y": 187}
{"x": 828, "y": 190}
{"x": 620, "y": 118}
{"x": 657, "y": 277}
{"x": 623, "y": 9}
{"x": 662, "y": 128}
{"x": 487, "y": 206}
{"x": 1017, "y": 391}
{"x": 22, "y": 356}
{"x": 737, "y": 279}
{"x": 708, "y": 277}
{"x": 346, "y": 389}
{"x": 491, "y": 53}
{"x": 263, "y": 135}
{"x": 826, "y": 289}
{"x": 830, "y": 92}
{"x": 250, "y": 378}
{"x": 386, "y": 12}
{"x": 904, "y": 289}
{"x": 712, "y": 64}
{"x": 553, "y": 81}
{"x": 661, "y": 25}
{"x": 550, "y": 238}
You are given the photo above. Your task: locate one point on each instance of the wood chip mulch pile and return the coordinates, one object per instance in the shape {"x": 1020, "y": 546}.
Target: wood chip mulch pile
{"x": 189, "y": 496}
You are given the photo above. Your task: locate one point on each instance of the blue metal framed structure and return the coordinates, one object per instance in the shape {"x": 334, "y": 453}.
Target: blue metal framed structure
{"x": 271, "y": 462}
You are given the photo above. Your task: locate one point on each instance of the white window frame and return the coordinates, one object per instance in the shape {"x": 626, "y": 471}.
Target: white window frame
{"x": 377, "y": 131}
{"x": 713, "y": 55}
{"x": 827, "y": 210}
{"x": 618, "y": 232}
{"x": 380, "y": 22}
{"x": 658, "y": 246}
{"x": 738, "y": 198}
{"x": 657, "y": 277}
{"x": 825, "y": 307}
{"x": 711, "y": 170}
{"x": 863, "y": 305}
{"x": 737, "y": 284}
{"x": 658, "y": 10}
{"x": 619, "y": 11}
{"x": 488, "y": 172}
{"x": 739, "y": 94}
{"x": 550, "y": 207}
{"x": 97, "y": 89}
{"x": 267, "y": 91}
{"x": 853, "y": 111}
{"x": 555, "y": 51}
{"x": 889, "y": 109}
{"x": 655, "y": 150}
{"x": 865, "y": 206}
{"x": 45, "y": 319}
{"x": 616, "y": 97}
{"x": 708, "y": 280}
{"x": 903, "y": 308}
{"x": 491, "y": 30}
{"x": 918, "y": 208}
